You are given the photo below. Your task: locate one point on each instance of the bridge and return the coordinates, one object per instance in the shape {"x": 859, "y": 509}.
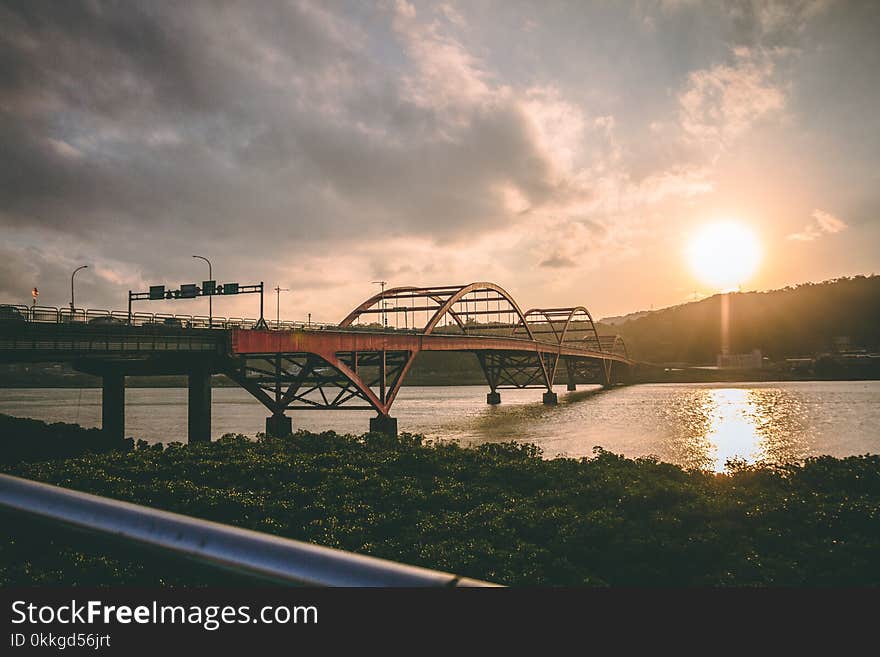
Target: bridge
{"x": 360, "y": 363}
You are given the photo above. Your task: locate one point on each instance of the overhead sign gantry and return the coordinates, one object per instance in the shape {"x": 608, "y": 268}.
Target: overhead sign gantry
{"x": 193, "y": 291}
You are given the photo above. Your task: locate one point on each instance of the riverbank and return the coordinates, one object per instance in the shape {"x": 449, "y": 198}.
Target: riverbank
{"x": 497, "y": 511}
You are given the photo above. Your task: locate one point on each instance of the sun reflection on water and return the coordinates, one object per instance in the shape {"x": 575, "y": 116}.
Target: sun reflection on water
{"x": 751, "y": 425}
{"x": 732, "y": 433}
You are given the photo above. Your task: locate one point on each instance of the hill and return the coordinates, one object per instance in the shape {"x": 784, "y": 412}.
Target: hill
{"x": 805, "y": 320}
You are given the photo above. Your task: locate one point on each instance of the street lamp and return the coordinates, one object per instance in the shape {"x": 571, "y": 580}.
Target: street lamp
{"x": 210, "y": 299}
{"x": 72, "y": 306}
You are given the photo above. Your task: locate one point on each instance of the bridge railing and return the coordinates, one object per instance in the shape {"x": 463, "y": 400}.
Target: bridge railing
{"x": 10, "y": 313}
{"x": 247, "y": 553}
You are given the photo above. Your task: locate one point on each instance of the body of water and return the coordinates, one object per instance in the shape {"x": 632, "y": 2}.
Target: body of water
{"x": 694, "y": 425}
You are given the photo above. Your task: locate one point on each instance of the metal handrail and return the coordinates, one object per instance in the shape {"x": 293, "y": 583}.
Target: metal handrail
{"x": 282, "y": 560}
{"x": 53, "y": 315}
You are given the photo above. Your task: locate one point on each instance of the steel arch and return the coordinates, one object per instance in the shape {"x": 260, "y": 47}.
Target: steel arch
{"x": 618, "y": 340}
{"x": 445, "y": 296}
{"x": 552, "y": 317}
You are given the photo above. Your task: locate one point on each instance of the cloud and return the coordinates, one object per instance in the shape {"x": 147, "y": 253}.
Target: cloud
{"x": 558, "y": 262}
{"x": 824, "y": 223}
{"x": 721, "y": 103}
{"x": 769, "y": 19}
{"x": 322, "y": 146}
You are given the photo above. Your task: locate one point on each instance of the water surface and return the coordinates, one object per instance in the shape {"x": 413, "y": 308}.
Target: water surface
{"x": 694, "y": 425}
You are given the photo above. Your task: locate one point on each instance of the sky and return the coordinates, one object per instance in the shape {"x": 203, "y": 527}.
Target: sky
{"x": 567, "y": 151}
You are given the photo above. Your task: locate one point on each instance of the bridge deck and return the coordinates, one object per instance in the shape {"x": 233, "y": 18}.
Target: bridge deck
{"x": 34, "y": 342}
{"x": 52, "y": 342}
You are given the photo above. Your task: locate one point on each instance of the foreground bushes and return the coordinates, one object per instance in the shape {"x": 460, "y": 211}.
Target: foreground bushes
{"x": 22, "y": 439}
{"x": 498, "y": 512}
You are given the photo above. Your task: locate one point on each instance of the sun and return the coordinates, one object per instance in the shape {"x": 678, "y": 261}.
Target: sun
{"x": 724, "y": 254}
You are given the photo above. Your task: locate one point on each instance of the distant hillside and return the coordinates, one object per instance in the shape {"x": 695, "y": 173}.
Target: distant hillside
{"x": 795, "y": 321}
{"x": 623, "y": 319}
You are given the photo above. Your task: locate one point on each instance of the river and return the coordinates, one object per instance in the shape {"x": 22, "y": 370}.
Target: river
{"x": 693, "y": 425}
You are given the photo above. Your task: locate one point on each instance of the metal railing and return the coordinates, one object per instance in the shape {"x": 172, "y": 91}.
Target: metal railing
{"x": 52, "y": 315}
{"x": 251, "y": 553}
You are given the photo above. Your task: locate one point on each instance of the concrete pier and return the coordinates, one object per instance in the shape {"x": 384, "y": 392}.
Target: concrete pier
{"x": 571, "y": 387}
{"x": 278, "y": 426}
{"x": 113, "y": 404}
{"x": 384, "y": 424}
{"x": 493, "y": 398}
{"x": 199, "y": 407}
{"x": 550, "y": 397}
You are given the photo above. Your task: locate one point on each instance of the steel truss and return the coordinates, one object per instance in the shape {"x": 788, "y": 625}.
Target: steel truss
{"x": 305, "y": 381}
{"x": 516, "y": 370}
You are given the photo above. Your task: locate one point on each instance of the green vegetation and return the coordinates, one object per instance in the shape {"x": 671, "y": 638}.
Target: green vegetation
{"x": 31, "y": 440}
{"x": 498, "y": 512}
{"x": 787, "y": 323}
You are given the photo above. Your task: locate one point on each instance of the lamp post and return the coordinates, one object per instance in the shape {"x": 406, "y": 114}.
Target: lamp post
{"x": 278, "y": 291}
{"x": 210, "y": 299}
{"x": 72, "y": 306}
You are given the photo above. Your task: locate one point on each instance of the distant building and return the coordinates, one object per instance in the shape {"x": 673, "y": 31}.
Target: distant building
{"x": 749, "y": 361}
{"x": 800, "y": 365}
{"x": 841, "y": 343}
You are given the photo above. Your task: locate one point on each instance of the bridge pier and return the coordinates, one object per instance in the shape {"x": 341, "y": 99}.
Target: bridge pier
{"x": 199, "y": 407}
{"x": 384, "y": 424}
{"x": 550, "y": 398}
{"x": 113, "y": 404}
{"x": 493, "y": 398}
{"x": 278, "y": 426}
{"x": 571, "y": 387}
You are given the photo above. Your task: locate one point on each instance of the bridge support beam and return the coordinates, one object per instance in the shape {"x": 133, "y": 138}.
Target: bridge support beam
{"x": 199, "y": 407}
{"x": 384, "y": 424}
{"x": 550, "y": 397}
{"x": 493, "y": 398}
{"x": 113, "y": 405}
{"x": 278, "y": 426}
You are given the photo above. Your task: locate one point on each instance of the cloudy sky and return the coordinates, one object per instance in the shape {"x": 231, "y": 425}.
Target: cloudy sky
{"x": 564, "y": 150}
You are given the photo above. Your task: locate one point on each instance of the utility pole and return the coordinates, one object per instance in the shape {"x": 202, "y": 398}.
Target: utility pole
{"x": 382, "y": 285}
{"x": 278, "y": 291}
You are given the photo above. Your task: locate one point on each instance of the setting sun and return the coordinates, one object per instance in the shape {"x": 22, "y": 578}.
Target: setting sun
{"x": 724, "y": 254}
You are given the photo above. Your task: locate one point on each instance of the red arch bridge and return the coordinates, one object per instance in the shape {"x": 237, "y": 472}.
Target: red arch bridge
{"x": 360, "y": 363}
